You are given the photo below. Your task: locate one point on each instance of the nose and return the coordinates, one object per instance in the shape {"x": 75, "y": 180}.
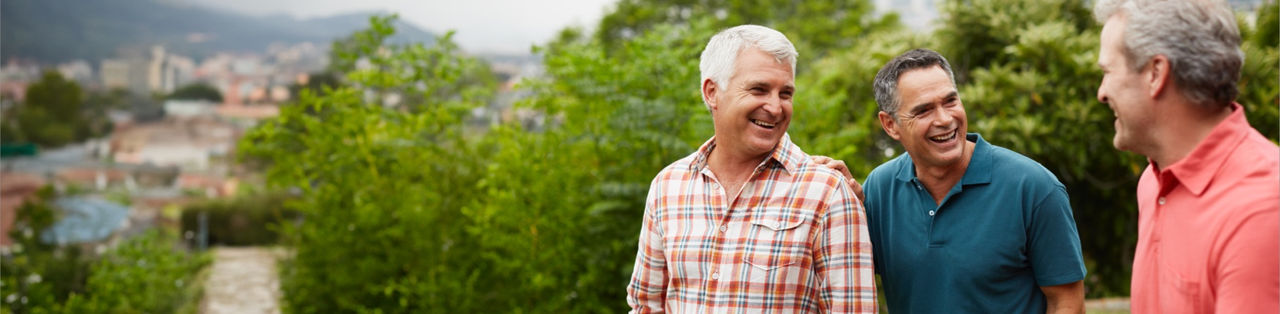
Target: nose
{"x": 945, "y": 117}
{"x": 1102, "y": 95}
{"x": 773, "y": 105}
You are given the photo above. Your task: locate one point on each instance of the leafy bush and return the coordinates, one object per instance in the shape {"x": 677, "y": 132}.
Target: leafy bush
{"x": 246, "y": 220}
{"x": 37, "y": 277}
{"x": 149, "y": 273}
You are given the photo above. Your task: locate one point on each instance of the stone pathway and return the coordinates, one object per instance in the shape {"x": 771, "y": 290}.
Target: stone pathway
{"x": 243, "y": 280}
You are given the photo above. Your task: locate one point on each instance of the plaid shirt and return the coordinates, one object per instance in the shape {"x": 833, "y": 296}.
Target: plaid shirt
{"x": 795, "y": 241}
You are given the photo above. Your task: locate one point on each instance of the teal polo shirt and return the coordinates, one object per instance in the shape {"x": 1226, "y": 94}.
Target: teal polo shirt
{"x": 1001, "y": 232}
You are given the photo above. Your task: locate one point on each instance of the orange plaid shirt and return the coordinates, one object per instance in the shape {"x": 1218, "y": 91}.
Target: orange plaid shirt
{"x": 795, "y": 241}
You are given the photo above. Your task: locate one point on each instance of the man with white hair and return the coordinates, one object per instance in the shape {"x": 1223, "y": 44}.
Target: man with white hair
{"x": 747, "y": 223}
{"x": 1209, "y": 201}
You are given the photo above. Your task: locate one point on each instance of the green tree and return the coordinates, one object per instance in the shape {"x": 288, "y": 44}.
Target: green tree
{"x": 382, "y": 182}
{"x": 51, "y": 115}
{"x": 197, "y": 91}
{"x": 815, "y": 27}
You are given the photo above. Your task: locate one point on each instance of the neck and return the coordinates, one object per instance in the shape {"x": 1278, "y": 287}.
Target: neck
{"x": 938, "y": 180}
{"x": 729, "y": 165}
{"x": 1183, "y": 128}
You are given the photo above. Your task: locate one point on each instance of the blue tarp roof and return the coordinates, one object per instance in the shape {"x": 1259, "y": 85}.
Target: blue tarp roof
{"x": 85, "y": 220}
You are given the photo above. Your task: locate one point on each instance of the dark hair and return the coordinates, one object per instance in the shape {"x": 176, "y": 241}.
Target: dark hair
{"x": 886, "y": 83}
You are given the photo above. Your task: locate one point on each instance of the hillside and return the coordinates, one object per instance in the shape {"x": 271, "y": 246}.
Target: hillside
{"x": 52, "y": 31}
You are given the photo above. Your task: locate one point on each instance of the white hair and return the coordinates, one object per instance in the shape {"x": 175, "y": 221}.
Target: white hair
{"x": 718, "y": 59}
{"x": 1200, "y": 39}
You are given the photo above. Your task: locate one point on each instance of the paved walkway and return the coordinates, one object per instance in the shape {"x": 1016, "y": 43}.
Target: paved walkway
{"x": 243, "y": 280}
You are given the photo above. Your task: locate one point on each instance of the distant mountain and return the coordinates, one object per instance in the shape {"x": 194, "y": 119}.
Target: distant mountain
{"x": 53, "y": 31}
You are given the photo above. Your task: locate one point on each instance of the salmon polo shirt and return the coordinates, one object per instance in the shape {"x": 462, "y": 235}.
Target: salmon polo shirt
{"x": 1208, "y": 239}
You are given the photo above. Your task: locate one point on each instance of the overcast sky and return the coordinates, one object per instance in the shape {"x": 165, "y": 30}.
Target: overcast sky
{"x": 501, "y": 26}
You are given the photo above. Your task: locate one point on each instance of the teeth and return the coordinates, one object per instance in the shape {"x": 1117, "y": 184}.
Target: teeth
{"x": 943, "y": 137}
{"x": 762, "y": 123}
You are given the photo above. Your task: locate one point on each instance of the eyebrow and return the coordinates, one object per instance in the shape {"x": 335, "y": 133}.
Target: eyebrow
{"x": 952, "y": 94}
{"x": 751, "y": 84}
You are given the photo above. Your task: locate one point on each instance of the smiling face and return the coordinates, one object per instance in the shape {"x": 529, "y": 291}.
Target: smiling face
{"x": 753, "y": 111}
{"x": 1123, "y": 90}
{"x": 931, "y": 121}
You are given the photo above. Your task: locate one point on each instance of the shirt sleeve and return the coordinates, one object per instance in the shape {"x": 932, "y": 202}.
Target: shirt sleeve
{"x": 842, "y": 256}
{"x": 1248, "y": 279}
{"x": 1053, "y": 243}
{"x": 648, "y": 288}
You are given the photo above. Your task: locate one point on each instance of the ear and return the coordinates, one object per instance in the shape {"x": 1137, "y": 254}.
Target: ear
{"x": 709, "y": 90}
{"x": 1157, "y": 75}
{"x": 889, "y": 125}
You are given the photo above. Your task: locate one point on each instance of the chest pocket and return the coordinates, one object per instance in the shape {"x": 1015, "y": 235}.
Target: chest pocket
{"x": 778, "y": 237}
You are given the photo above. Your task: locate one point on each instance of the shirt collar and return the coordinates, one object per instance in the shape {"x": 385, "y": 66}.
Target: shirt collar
{"x": 786, "y": 154}
{"x": 980, "y": 164}
{"x": 1200, "y": 166}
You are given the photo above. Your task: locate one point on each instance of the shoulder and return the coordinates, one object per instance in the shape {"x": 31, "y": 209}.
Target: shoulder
{"x": 889, "y": 169}
{"x": 679, "y": 170}
{"x": 821, "y": 177}
{"x": 1257, "y": 156}
{"x": 1012, "y": 167}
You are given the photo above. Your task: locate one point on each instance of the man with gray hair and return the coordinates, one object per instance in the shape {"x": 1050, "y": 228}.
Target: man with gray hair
{"x": 747, "y": 223}
{"x": 1209, "y": 200}
{"x": 960, "y": 225}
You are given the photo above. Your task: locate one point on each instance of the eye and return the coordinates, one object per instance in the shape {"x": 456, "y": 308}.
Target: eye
{"x": 786, "y": 95}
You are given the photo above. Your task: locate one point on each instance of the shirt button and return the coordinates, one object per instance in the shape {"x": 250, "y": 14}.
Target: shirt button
{"x": 931, "y": 213}
{"x": 715, "y": 275}
{"x": 724, "y": 228}
{"x": 774, "y": 224}
{"x": 1161, "y": 200}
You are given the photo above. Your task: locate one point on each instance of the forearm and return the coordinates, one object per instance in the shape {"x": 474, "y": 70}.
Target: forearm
{"x": 1064, "y": 299}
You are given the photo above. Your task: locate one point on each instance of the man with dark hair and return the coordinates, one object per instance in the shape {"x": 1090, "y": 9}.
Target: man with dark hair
{"x": 959, "y": 225}
{"x": 1209, "y": 201}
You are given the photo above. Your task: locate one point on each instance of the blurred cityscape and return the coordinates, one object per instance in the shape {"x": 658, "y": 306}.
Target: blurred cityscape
{"x": 165, "y": 148}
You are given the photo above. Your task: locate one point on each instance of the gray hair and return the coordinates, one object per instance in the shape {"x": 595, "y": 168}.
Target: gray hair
{"x": 1200, "y": 39}
{"x": 886, "y": 83}
{"x": 718, "y": 59}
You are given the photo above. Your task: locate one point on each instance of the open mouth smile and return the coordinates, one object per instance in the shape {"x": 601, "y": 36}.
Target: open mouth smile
{"x": 944, "y": 137}
{"x": 763, "y": 124}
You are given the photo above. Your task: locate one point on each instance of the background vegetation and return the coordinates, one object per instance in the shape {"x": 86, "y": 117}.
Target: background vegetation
{"x": 146, "y": 273}
{"x": 410, "y": 206}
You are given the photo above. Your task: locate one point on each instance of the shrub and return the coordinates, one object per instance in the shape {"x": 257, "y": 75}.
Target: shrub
{"x": 249, "y": 220}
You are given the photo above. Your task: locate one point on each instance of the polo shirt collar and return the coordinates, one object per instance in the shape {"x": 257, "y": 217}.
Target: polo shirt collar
{"x": 785, "y": 154}
{"x": 1204, "y": 162}
{"x": 980, "y": 164}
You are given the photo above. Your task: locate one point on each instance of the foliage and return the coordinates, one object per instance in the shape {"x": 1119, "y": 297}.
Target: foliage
{"x": 1259, "y": 89}
{"x": 39, "y": 276}
{"x": 197, "y": 91}
{"x": 427, "y": 211}
{"x": 382, "y": 181}
{"x": 815, "y": 27}
{"x": 54, "y": 114}
{"x": 245, "y": 220}
{"x": 146, "y": 274}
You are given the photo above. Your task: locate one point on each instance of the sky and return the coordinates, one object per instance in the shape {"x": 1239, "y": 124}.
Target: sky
{"x": 482, "y": 26}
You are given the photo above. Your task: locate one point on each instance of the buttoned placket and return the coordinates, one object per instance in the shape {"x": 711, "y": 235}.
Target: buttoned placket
{"x": 720, "y": 199}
